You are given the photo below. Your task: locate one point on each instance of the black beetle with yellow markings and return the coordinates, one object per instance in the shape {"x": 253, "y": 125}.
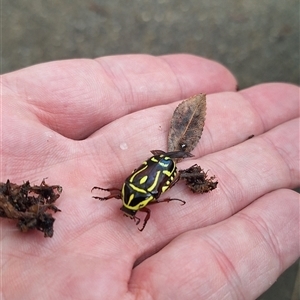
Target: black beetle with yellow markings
{"x": 145, "y": 185}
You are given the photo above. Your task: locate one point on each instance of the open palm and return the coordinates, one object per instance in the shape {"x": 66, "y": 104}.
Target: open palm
{"x": 85, "y": 123}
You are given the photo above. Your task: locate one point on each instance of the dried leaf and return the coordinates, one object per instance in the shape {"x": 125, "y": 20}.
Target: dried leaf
{"x": 187, "y": 124}
{"x": 174, "y": 154}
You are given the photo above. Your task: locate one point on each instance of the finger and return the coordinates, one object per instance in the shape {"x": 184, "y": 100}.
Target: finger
{"x": 236, "y": 259}
{"x": 231, "y": 118}
{"x": 76, "y": 97}
{"x": 274, "y": 103}
{"x": 245, "y": 172}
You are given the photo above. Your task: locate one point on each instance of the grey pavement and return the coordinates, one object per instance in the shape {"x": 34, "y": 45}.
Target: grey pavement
{"x": 257, "y": 40}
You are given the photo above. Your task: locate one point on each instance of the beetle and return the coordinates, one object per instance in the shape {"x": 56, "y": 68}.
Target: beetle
{"x": 144, "y": 186}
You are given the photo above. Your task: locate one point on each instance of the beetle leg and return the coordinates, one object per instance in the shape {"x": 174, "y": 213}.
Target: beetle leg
{"x": 148, "y": 212}
{"x": 168, "y": 200}
{"x": 136, "y": 219}
{"x": 157, "y": 152}
{"x": 114, "y": 193}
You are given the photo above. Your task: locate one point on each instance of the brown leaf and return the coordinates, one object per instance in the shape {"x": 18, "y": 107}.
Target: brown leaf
{"x": 187, "y": 124}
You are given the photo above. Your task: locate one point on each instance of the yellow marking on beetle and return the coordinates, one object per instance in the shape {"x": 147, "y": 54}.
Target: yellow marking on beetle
{"x": 139, "y": 205}
{"x": 131, "y": 179}
{"x": 131, "y": 197}
{"x": 168, "y": 173}
{"x": 143, "y": 179}
{"x": 164, "y": 165}
{"x": 154, "y": 184}
{"x": 154, "y": 159}
{"x": 164, "y": 188}
{"x": 137, "y": 189}
{"x": 145, "y": 202}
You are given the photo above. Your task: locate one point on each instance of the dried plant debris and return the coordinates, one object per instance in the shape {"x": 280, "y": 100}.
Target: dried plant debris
{"x": 197, "y": 180}
{"x": 187, "y": 124}
{"x": 29, "y": 205}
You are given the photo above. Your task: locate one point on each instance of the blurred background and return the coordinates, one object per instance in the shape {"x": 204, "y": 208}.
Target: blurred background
{"x": 257, "y": 40}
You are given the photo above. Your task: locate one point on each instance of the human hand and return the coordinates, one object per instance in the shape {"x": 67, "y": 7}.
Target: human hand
{"x": 82, "y": 123}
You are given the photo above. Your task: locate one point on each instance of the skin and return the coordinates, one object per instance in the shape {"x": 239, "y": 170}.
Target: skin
{"x": 84, "y": 123}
